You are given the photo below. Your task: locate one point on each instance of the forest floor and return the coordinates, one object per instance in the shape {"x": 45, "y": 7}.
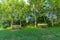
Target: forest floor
{"x": 31, "y": 34}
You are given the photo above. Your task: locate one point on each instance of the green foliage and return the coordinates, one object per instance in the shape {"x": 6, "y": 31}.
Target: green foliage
{"x": 16, "y": 10}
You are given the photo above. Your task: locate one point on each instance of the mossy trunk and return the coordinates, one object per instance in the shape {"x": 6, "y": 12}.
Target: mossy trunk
{"x": 20, "y": 23}
{"x": 35, "y": 22}
{"x": 52, "y": 23}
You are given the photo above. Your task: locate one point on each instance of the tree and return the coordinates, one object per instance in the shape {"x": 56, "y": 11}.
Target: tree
{"x": 53, "y": 10}
{"x": 36, "y": 7}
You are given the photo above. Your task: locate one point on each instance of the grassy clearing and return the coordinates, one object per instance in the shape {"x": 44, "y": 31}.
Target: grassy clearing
{"x": 31, "y": 34}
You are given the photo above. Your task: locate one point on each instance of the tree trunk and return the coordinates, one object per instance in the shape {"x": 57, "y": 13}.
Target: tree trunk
{"x": 20, "y": 23}
{"x": 52, "y": 23}
{"x": 44, "y": 20}
{"x": 35, "y": 22}
{"x": 11, "y": 22}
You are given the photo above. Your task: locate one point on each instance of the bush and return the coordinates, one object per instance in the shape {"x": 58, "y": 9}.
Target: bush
{"x": 56, "y": 23}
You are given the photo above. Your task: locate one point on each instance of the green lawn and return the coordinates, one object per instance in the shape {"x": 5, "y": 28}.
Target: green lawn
{"x": 31, "y": 34}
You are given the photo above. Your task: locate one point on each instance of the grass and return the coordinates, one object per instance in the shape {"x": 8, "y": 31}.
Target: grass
{"x": 31, "y": 34}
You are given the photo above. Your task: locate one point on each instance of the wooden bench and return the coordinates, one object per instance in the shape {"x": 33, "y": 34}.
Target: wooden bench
{"x": 42, "y": 25}
{"x": 16, "y": 27}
